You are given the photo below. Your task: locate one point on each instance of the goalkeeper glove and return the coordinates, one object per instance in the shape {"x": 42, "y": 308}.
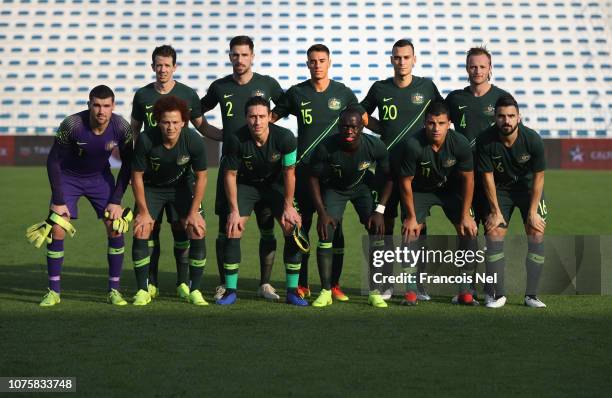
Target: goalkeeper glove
{"x": 122, "y": 224}
{"x": 300, "y": 239}
{"x": 38, "y": 233}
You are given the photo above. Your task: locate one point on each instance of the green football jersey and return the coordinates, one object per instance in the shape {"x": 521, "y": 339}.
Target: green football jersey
{"x": 232, "y": 98}
{"x": 345, "y": 170}
{"x": 255, "y": 164}
{"x": 471, "y": 115}
{"x": 317, "y": 113}
{"x": 145, "y": 98}
{"x": 401, "y": 111}
{"x": 165, "y": 167}
{"x": 512, "y": 167}
{"x": 431, "y": 169}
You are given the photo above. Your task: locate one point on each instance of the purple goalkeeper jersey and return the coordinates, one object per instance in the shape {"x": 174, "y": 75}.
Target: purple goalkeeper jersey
{"x": 79, "y": 152}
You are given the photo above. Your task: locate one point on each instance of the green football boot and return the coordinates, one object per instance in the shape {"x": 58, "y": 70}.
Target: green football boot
{"x": 324, "y": 299}
{"x": 142, "y": 297}
{"x": 153, "y": 291}
{"x": 115, "y": 298}
{"x": 196, "y": 298}
{"x": 375, "y": 300}
{"x": 182, "y": 291}
{"x": 50, "y": 299}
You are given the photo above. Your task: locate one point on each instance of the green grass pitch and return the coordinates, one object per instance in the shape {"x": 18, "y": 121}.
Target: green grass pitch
{"x": 256, "y": 348}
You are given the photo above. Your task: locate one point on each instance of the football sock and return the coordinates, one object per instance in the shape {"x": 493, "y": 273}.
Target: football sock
{"x": 413, "y": 271}
{"x": 306, "y": 224}
{"x": 141, "y": 259}
{"x": 533, "y": 265}
{"x": 374, "y": 244}
{"x": 324, "y": 262}
{"x": 219, "y": 248}
{"x": 116, "y": 248}
{"x": 197, "y": 261}
{"x": 232, "y": 259}
{"x": 291, "y": 257}
{"x": 181, "y": 256}
{"x": 387, "y": 268}
{"x": 421, "y": 267}
{"x": 55, "y": 259}
{"x": 495, "y": 264}
{"x": 337, "y": 255}
{"x": 154, "y": 247}
{"x": 267, "y": 251}
{"x": 467, "y": 243}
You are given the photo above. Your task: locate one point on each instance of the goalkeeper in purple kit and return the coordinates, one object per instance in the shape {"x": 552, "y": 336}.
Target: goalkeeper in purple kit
{"x": 78, "y": 166}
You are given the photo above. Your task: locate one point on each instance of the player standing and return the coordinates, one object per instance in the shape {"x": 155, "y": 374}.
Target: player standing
{"x": 260, "y": 168}
{"x": 402, "y": 102}
{"x": 316, "y": 103}
{"x": 511, "y": 161}
{"x": 78, "y": 166}
{"x": 232, "y": 93}
{"x": 339, "y": 170}
{"x": 164, "y": 66}
{"x": 437, "y": 169}
{"x": 169, "y": 172}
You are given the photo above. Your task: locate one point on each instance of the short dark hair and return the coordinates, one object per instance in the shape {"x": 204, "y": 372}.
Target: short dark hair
{"x": 317, "y": 48}
{"x": 351, "y": 111}
{"x": 482, "y": 50}
{"x": 506, "y": 100}
{"x": 403, "y": 43}
{"x": 101, "y": 92}
{"x": 164, "y": 51}
{"x": 437, "y": 109}
{"x": 254, "y": 101}
{"x": 170, "y": 103}
{"x": 241, "y": 41}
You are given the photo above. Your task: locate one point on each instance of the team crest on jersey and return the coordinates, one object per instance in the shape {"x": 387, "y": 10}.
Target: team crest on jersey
{"x": 248, "y": 163}
{"x": 363, "y": 166}
{"x": 258, "y": 93}
{"x": 110, "y": 145}
{"x": 524, "y": 158}
{"x": 489, "y": 110}
{"x": 449, "y": 162}
{"x": 417, "y": 98}
{"x": 275, "y": 157}
{"x": 183, "y": 160}
{"x": 334, "y": 104}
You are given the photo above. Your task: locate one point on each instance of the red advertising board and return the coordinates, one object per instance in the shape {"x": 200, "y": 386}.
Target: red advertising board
{"x": 592, "y": 154}
{"x": 7, "y": 150}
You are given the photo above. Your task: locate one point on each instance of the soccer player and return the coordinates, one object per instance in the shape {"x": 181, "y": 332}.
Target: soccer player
{"x": 511, "y": 161}
{"x": 164, "y": 65}
{"x": 316, "y": 103}
{"x": 339, "y": 170}
{"x": 78, "y": 166}
{"x": 401, "y": 101}
{"x": 260, "y": 169}
{"x": 437, "y": 169}
{"x": 231, "y": 93}
{"x": 472, "y": 110}
{"x": 169, "y": 172}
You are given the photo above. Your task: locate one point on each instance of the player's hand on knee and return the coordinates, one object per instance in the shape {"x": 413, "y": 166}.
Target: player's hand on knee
{"x": 376, "y": 224}
{"x": 143, "y": 224}
{"x": 535, "y": 221}
{"x": 121, "y": 224}
{"x": 234, "y": 225}
{"x": 467, "y": 227}
{"x": 410, "y": 229}
{"x": 290, "y": 218}
{"x": 494, "y": 220}
{"x": 62, "y": 210}
{"x": 322, "y": 223}
{"x": 113, "y": 211}
{"x": 195, "y": 225}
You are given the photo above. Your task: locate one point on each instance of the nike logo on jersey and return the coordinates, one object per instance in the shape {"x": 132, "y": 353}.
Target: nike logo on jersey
{"x": 305, "y": 103}
{"x": 496, "y": 157}
{"x": 225, "y": 96}
{"x": 148, "y": 106}
{"x": 81, "y": 143}
{"x": 424, "y": 163}
{"x": 153, "y": 158}
{"x": 462, "y": 107}
{"x": 387, "y": 99}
